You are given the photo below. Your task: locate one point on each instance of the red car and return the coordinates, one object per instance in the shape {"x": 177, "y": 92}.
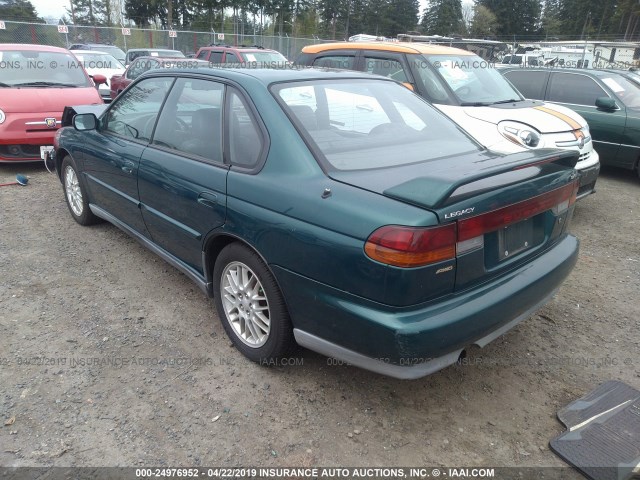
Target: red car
{"x": 255, "y": 55}
{"x": 37, "y": 82}
{"x": 143, "y": 64}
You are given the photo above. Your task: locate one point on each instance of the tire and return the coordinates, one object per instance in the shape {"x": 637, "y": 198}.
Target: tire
{"x": 75, "y": 194}
{"x": 269, "y": 333}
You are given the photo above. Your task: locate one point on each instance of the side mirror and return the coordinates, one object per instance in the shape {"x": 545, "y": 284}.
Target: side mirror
{"x": 99, "y": 79}
{"x": 85, "y": 121}
{"x": 606, "y": 103}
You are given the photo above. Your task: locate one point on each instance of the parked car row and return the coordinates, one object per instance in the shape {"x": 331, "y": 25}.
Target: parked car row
{"x": 474, "y": 95}
{"x": 608, "y": 100}
{"x": 39, "y": 81}
{"x": 599, "y": 107}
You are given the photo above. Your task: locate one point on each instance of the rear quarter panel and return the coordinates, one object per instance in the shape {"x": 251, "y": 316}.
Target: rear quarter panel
{"x": 321, "y": 238}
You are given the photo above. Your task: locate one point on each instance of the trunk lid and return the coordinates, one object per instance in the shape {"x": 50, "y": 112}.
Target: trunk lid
{"x": 506, "y": 208}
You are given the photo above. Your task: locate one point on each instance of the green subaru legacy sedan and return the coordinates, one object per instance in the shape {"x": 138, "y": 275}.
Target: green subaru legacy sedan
{"x": 609, "y": 102}
{"x": 329, "y": 209}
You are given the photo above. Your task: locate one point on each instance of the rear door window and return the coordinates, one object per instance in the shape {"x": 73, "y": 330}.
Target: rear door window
{"x": 231, "y": 58}
{"x": 386, "y": 67}
{"x": 216, "y": 57}
{"x": 336, "y": 61}
{"x": 245, "y": 139}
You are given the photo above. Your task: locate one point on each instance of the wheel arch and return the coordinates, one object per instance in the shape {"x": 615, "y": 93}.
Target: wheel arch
{"x": 215, "y": 244}
{"x": 61, "y": 153}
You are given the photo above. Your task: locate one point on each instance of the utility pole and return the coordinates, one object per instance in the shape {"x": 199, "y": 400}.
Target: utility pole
{"x": 170, "y": 14}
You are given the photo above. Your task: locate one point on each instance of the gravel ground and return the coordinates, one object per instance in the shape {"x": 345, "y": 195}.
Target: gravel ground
{"x": 111, "y": 357}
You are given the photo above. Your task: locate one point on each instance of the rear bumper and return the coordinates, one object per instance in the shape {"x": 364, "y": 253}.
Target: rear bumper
{"x": 413, "y": 342}
{"x": 588, "y": 178}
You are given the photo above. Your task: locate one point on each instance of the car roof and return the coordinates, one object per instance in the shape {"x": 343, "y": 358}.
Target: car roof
{"x": 585, "y": 71}
{"x": 268, "y": 76}
{"x": 152, "y": 50}
{"x": 29, "y": 46}
{"x": 92, "y": 52}
{"x": 398, "y": 47}
{"x": 164, "y": 57}
{"x": 239, "y": 47}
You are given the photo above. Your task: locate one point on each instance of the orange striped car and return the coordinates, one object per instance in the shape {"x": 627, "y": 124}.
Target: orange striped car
{"x": 470, "y": 91}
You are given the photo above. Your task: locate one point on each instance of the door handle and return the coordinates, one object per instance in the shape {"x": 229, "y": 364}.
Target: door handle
{"x": 208, "y": 199}
{"x": 127, "y": 167}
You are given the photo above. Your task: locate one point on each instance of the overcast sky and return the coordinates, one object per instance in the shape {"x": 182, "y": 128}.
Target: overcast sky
{"x": 50, "y": 8}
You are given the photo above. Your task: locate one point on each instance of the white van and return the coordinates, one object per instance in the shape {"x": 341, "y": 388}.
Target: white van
{"x": 472, "y": 92}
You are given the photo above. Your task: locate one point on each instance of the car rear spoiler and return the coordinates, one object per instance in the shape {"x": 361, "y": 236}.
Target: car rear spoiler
{"x": 445, "y": 185}
{"x": 69, "y": 112}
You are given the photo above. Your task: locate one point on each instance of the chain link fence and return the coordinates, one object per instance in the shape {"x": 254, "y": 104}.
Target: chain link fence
{"x": 184, "y": 40}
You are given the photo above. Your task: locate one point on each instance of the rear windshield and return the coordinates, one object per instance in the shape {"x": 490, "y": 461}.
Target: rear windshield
{"x": 361, "y": 124}
{"x": 167, "y": 53}
{"x": 28, "y": 68}
{"x": 98, "y": 61}
{"x": 114, "y": 51}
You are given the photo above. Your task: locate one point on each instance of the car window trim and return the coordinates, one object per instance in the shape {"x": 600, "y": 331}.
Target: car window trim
{"x": 253, "y": 112}
{"x": 584, "y": 106}
{"x": 248, "y": 101}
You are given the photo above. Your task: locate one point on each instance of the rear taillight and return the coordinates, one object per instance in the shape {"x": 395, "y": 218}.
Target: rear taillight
{"x": 412, "y": 246}
{"x": 473, "y": 227}
{"x": 402, "y": 246}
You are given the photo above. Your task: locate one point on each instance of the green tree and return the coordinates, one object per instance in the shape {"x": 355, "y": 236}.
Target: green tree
{"x": 515, "y": 17}
{"x": 142, "y": 12}
{"x": 443, "y": 17}
{"x": 404, "y": 16}
{"x": 19, "y": 10}
{"x": 551, "y": 24}
{"x": 484, "y": 22}
{"x": 625, "y": 19}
